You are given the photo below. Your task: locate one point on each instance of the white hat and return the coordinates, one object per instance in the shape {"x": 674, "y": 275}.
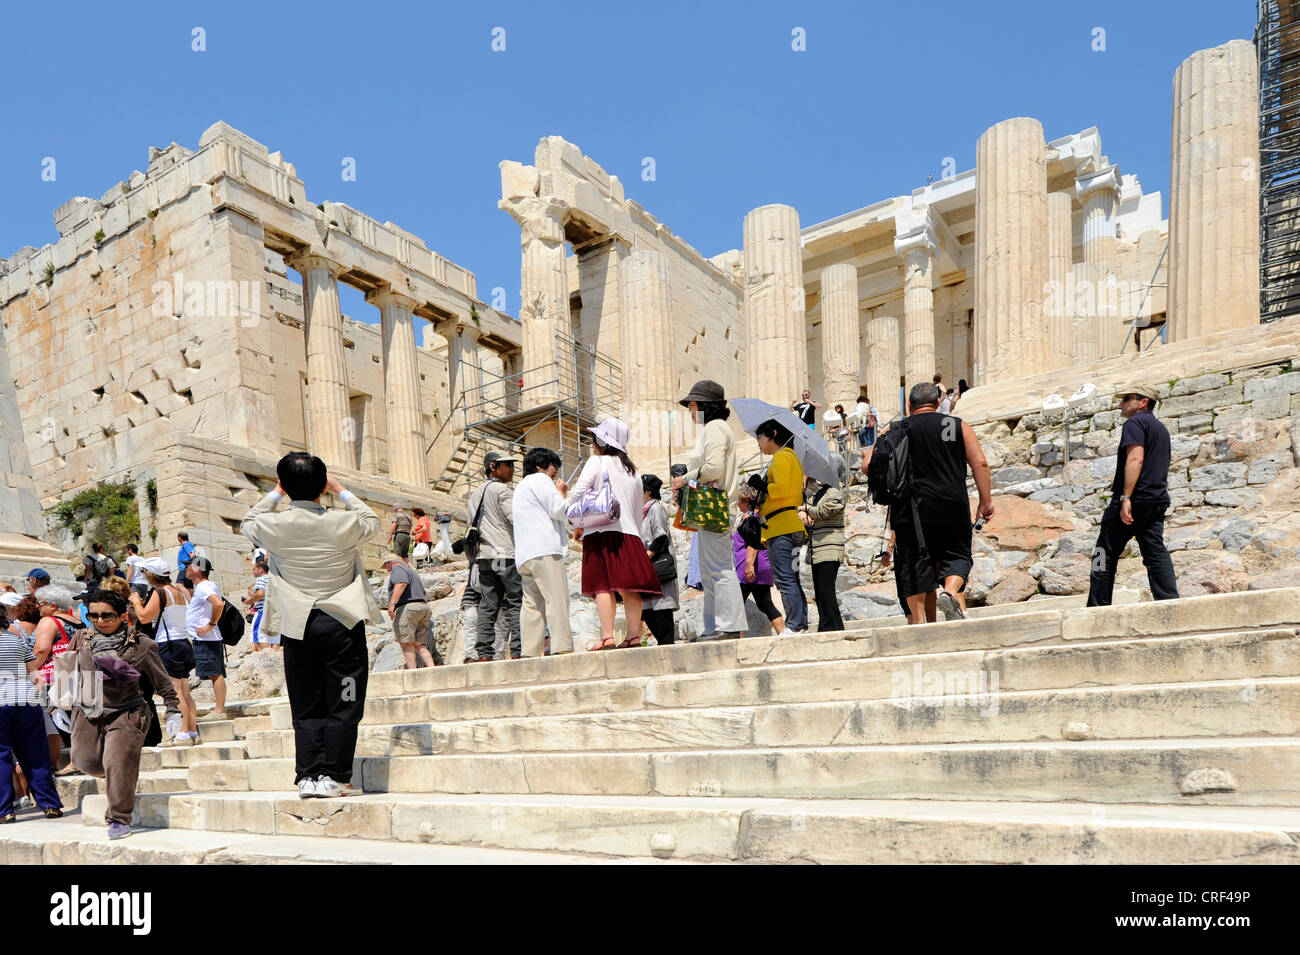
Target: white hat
{"x": 11, "y": 600}
{"x": 612, "y": 432}
{"x": 157, "y": 566}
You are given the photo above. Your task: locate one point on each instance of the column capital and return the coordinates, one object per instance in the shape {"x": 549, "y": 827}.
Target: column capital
{"x": 914, "y": 231}
{"x": 309, "y": 260}
{"x": 388, "y": 295}
{"x": 539, "y": 217}
{"x": 1103, "y": 179}
{"x": 459, "y": 326}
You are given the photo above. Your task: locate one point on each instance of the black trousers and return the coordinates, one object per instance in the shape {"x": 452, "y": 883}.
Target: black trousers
{"x": 1149, "y": 528}
{"x": 762, "y": 594}
{"x": 326, "y": 673}
{"x": 660, "y": 623}
{"x": 828, "y": 606}
{"x": 501, "y": 591}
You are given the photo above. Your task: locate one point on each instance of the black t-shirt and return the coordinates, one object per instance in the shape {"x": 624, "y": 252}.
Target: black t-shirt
{"x": 1152, "y": 486}
{"x": 937, "y": 451}
{"x": 806, "y": 412}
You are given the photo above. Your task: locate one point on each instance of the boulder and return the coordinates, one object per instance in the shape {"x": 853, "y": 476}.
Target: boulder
{"x": 436, "y": 586}
{"x": 389, "y": 658}
{"x": 1215, "y": 477}
{"x": 1015, "y": 586}
{"x": 260, "y": 675}
{"x": 1221, "y": 576}
{"x": 1022, "y": 524}
{"x": 1006, "y": 477}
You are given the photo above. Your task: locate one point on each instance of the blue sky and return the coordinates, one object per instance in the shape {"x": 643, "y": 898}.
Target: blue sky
{"x": 733, "y": 117}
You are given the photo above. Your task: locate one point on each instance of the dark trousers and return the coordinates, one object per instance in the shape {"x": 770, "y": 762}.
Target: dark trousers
{"x": 1149, "y": 528}
{"x": 762, "y": 594}
{"x": 828, "y": 606}
{"x": 23, "y": 742}
{"x": 326, "y": 673}
{"x": 501, "y": 591}
{"x": 781, "y": 551}
{"x": 661, "y": 625}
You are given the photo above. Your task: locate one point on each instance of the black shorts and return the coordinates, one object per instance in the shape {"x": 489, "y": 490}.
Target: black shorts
{"x": 209, "y": 659}
{"x": 177, "y": 658}
{"x": 948, "y": 547}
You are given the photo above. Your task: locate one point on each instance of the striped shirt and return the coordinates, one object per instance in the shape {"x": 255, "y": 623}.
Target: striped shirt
{"x": 16, "y": 687}
{"x": 261, "y": 583}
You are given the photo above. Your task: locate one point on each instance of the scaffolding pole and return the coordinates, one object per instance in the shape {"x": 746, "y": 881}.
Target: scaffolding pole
{"x": 1277, "y": 41}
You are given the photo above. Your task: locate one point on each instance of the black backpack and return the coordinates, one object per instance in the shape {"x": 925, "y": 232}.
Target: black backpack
{"x": 99, "y": 566}
{"x": 889, "y": 472}
{"x": 230, "y": 624}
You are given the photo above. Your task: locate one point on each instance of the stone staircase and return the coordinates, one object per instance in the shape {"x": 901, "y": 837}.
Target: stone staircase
{"x": 1154, "y": 733}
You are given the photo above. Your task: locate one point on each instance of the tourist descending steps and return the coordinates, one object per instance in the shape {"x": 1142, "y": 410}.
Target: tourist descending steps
{"x": 501, "y": 592}
{"x": 162, "y": 617}
{"x": 937, "y": 552}
{"x": 606, "y": 501}
{"x": 201, "y": 615}
{"x": 823, "y": 514}
{"x": 319, "y": 602}
{"x": 108, "y": 734}
{"x": 541, "y": 541}
{"x": 1139, "y": 500}
{"x": 408, "y": 608}
{"x": 657, "y": 536}
{"x": 713, "y": 462}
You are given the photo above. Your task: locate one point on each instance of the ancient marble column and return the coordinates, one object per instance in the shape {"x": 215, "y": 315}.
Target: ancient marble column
{"x": 775, "y": 323}
{"x": 1011, "y": 270}
{"x": 1060, "y": 258}
{"x": 917, "y": 246}
{"x": 1214, "y": 193}
{"x": 1099, "y": 323}
{"x": 649, "y": 357}
{"x": 406, "y": 438}
{"x": 841, "y": 376}
{"x": 464, "y": 375}
{"x": 883, "y": 368}
{"x": 332, "y": 432}
{"x": 544, "y": 294}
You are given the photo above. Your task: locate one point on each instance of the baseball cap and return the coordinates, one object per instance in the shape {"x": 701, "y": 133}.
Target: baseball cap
{"x": 1143, "y": 389}
{"x": 10, "y": 600}
{"x": 38, "y": 574}
{"x": 203, "y": 564}
{"x": 498, "y": 457}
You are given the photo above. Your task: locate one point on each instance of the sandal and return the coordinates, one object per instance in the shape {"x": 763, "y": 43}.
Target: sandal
{"x": 628, "y": 644}
{"x": 606, "y": 644}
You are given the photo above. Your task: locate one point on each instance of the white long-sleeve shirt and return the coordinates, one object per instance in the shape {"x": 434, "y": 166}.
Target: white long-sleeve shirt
{"x": 540, "y": 528}
{"x": 627, "y": 488}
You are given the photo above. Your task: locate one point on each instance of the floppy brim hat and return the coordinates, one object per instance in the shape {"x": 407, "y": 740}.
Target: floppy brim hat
{"x": 703, "y": 390}
{"x": 612, "y": 432}
{"x": 1144, "y": 389}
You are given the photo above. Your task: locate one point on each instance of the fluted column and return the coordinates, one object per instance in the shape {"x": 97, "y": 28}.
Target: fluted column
{"x": 916, "y": 244}
{"x": 406, "y": 459}
{"x": 1100, "y": 325}
{"x": 463, "y": 364}
{"x": 776, "y": 330}
{"x": 1060, "y": 258}
{"x": 1011, "y": 269}
{"x": 544, "y": 294}
{"x": 882, "y": 367}
{"x": 649, "y": 368}
{"x": 841, "y": 376}
{"x": 328, "y": 407}
{"x": 1214, "y": 193}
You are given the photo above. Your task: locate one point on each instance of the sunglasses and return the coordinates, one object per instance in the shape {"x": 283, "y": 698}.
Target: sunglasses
{"x": 103, "y": 616}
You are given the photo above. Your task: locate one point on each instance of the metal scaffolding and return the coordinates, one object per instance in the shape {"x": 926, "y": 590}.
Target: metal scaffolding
{"x": 1277, "y": 41}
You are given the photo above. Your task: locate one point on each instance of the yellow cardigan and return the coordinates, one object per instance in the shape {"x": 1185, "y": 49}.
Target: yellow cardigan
{"x": 784, "y": 488}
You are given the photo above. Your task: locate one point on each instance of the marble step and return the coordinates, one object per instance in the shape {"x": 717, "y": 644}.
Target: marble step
{"x": 72, "y": 789}
{"x": 1264, "y": 609}
{"x": 977, "y": 712}
{"x": 1253, "y": 654}
{"x": 66, "y": 842}
{"x": 1123, "y": 596}
{"x": 755, "y": 829}
{"x": 178, "y": 757}
{"x": 1243, "y": 771}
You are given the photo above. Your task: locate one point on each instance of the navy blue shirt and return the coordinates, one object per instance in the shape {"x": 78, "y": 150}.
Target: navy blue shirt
{"x": 1146, "y": 430}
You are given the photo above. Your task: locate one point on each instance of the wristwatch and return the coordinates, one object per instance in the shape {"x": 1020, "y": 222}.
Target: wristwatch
{"x": 1125, "y": 497}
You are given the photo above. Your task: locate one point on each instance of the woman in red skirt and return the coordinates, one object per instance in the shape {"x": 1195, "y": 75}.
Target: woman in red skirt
{"x": 614, "y": 560}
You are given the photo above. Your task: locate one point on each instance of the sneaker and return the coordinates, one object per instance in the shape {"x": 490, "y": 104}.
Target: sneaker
{"x": 307, "y": 789}
{"x": 325, "y": 786}
{"x": 26, "y": 802}
{"x": 950, "y": 607}
{"x": 118, "y": 830}
{"x": 53, "y": 813}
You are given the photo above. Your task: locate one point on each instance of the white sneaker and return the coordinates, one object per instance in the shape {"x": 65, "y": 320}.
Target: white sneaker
{"x": 307, "y": 789}
{"x": 332, "y": 787}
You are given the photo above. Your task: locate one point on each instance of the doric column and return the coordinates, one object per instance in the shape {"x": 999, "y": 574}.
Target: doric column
{"x": 464, "y": 375}
{"x": 842, "y": 378}
{"x": 332, "y": 433}
{"x": 1011, "y": 270}
{"x": 649, "y": 367}
{"x": 1214, "y": 187}
{"x": 406, "y": 460}
{"x": 916, "y": 244}
{"x": 1060, "y": 258}
{"x": 1100, "y": 326}
{"x": 776, "y": 330}
{"x": 544, "y": 293}
{"x": 882, "y": 367}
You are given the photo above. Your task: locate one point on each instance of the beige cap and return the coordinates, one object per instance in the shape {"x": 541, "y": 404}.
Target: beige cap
{"x": 1144, "y": 388}
{"x": 390, "y": 559}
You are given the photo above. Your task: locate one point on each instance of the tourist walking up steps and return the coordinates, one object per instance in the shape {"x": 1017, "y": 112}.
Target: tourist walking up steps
{"x": 713, "y": 461}
{"x": 22, "y": 728}
{"x": 1139, "y": 500}
{"x": 201, "y": 616}
{"x": 823, "y": 514}
{"x": 541, "y": 541}
{"x": 938, "y": 551}
{"x": 614, "y": 560}
{"x": 753, "y": 566}
{"x": 657, "y": 536}
{"x": 162, "y": 617}
{"x": 319, "y": 602}
{"x": 501, "y": 592}
{"x": 399, "y": 532}
{"x": 107, "y": 737}
{"x": 783, "y": 530}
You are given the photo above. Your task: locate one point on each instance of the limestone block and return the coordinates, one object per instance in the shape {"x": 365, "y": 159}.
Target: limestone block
{"x": 1006, "y": 477}
{"x": 1264, "y": 470}
{"x": 1239, "y": 497}
{"x": 1215, "y": 477}
{"x": 1263, "y": 409}
{"x": 1183, "y": 447}
{"x": 1202, "y": 401}
{"x": 1187, "y": 386}
{"x": 1199, "y": 423}
{"x": 1282, "y": 385}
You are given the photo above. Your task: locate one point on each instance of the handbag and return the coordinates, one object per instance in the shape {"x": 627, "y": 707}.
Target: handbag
{"x": 73, "y": 686}
{"x": 665, "y": 566}
{"x": 705, "y": 508}
{"x": 597, "y": 508}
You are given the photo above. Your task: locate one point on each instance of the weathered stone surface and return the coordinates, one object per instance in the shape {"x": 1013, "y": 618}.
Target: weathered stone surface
{"x": 1214, "y": 477}
{"x": 1015, "y": 585}
{"x": 1022, "y": 524}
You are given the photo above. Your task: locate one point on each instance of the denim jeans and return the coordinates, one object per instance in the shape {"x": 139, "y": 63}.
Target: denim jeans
{"x": 781, "y": 550}
{"x": 1149, "y": 528}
